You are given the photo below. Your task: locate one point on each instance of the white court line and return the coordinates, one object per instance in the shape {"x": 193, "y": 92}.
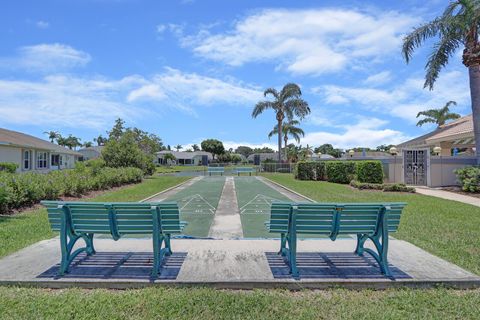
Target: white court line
{"x": 194, "y": 197}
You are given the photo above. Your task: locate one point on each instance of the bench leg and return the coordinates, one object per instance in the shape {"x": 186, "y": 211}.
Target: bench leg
{"x": 380, "y": 240}
{"x": 67, "y": 242}
{"x": 158, "y": 254}
{"x": 167, "y": 245}
{"x": 283, "y": 243}
{"x": 89, "y": 241}
{"x": 292, "y": 254}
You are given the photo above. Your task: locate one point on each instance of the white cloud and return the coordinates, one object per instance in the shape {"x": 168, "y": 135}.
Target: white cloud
{"x": 65, "y": 101}
{"x": 378, "y": 78}
{"x": 311, "y": 41}
{"x": 42, "y": 24}
{"x": 161, "y": 28}
{"x": 47, "y": 58}
{"x": 403, "y": 100}
{"x": 185, "y": 89}
{"x": 367, "y": 132}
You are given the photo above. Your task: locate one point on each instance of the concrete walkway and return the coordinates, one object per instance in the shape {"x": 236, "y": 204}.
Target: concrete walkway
{"x": 226, "y": 223}
{"x": 448, "y": 195}
{"x": 235, "y": 264}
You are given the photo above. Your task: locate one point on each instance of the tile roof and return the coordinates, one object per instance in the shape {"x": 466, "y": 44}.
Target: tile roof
{"x": 18, "y": 139}
{"x": 458, "y": 129}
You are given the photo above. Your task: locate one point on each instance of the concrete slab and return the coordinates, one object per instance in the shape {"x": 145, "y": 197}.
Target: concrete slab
{"x": 239, "y": 264}
{"x": 226, "y": 223}
{"x": 448, "y": 195}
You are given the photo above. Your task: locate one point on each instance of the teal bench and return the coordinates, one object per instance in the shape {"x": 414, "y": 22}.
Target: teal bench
{"x": 82, "y": 220}
{"x": 248, "y": 170}
{"x": 215, "y": 170}
{"x": 372, "y": 221}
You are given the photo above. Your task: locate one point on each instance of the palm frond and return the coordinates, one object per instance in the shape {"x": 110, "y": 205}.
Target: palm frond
{"x": 261, "y": 106}
{"x": 442, "y": 51}
{"x": 271, "y": 91}
{"x": 418, "y": 36}
{"x": 290, "y": 90}
{"x": 426, "y": 120}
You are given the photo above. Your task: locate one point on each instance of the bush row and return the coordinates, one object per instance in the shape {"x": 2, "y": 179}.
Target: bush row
{"x": 8, "y": 167}
{"x": 18, "y": 190}
{"x": 393, "y": 187}
{"x": 369, "y": 171}
{"x": 469, "y": 177}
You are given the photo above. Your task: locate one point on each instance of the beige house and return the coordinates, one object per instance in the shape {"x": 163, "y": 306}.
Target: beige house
{"x": 432, "y": 158}
{"x": 89, "y": 153}
{"x": 34, "y": 154}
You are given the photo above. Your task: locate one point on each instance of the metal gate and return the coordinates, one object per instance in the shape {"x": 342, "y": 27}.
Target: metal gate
{"x": 415, "y": 167}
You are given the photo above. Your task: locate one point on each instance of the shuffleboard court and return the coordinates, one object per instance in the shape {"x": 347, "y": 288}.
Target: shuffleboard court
{"x": 254, "y": 199}
{"x": 197, "y": 204}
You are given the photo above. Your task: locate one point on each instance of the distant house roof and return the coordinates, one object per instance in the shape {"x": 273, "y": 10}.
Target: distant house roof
{"x": 18, "y": 139}
{"x": 368, "y": 154}
{"x": 263, "y": 156}
{"x": 186, "y": 155}
{"x": 459, "y": 132}
{"x": 92, "y": 148}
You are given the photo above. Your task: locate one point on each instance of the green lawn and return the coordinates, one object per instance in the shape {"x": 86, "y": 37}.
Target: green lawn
{"x": 448, "y": 229}
{"x": 20, "y": 230}
{"x": 202, "y": 303}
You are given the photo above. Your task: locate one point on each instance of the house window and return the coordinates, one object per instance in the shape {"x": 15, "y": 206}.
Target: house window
{"x": 26, "y": 160}
{"x": 42, "y": 160}
{"x": 56, "y": 160}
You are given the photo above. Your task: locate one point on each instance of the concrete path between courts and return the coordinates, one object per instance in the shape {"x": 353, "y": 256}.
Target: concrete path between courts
{"x": 448, "y": 195}
{"x": 226, "y": 223}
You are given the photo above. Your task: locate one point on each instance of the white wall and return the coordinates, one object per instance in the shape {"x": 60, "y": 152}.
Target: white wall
{"x": 11, "y": 154}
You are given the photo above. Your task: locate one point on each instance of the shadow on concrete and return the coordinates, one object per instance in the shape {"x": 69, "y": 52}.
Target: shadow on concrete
{"x": 119, "y": 265}
{"x": 331, "y": 265}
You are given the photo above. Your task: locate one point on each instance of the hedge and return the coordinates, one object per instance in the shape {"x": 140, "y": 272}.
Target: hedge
{"x": 386, "y": 187}
{"x": 310, "y": 170}
{"x": 340, "y": 171}
{"x": 370, "y": 171}
{"x": 469, "y": 177}
{"x": 10, "y": 167}
{"x": 19, "y": 190}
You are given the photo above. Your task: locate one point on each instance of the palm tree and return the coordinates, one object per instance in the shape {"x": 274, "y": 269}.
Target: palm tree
{"x": 178, "y": 147}
{"x": 87, "y": 144}
{"x": 438, "y": 116}
{"x": 457, "y": 27}
{"x": 306, "y": 152}
{"x": 52, "y": 135}
{"x": 100, "y": 140}
{"x": 289, "y": 129}
{"x": 286, "y": 104}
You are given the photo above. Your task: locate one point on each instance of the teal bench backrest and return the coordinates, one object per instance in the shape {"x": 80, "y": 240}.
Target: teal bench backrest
{"x": 215, "y": 169}
{"x": 279, "y": 213}
{"x": 315, "y": 218}
{"x": 245, "y": 169}
{"x": 330, "y": 218}
{"x": 130, "y": 218}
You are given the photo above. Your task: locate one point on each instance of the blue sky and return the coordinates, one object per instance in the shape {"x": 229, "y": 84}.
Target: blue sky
{"x": 188, "y": 70}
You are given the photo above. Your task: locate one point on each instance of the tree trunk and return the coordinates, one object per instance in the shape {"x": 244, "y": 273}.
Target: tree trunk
{"x": 280, "y": 117}
{"x": 286, "y": 153}
{"x": 474, "y": 73}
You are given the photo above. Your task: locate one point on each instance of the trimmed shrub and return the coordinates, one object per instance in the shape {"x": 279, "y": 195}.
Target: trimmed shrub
{"x": 10, "y": 167}
{"x": 469, "y": 177}
{"x": 366, "y": 186}
{"x": 370, "y": 171}
{"x": 310, "y": 170}
{"x": 19, "y": 190}
{"x": 397, "y": 187}
{"x": 340, "y": 171}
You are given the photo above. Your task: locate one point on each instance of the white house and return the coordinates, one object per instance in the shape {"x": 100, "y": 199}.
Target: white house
{"x": 91, "y": 152}
{"x": 34, "y": 154}
{"x": 194, "y": 158}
